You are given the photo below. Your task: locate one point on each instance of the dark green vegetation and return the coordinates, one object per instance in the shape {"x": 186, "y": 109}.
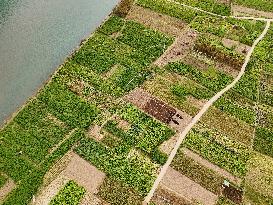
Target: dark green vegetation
{"x": 89, "y": 89}
{"x": 209, "y": 5}
{"x": 3, "y": 180}
{"x": 71, "y": 194}
{"x": 132, "y": 150}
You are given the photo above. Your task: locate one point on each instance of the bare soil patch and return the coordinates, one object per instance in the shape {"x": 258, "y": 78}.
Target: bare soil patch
{"x": 57, "y": 168}
{"x": 122, "y": 124}
{"x": 48, "y": 193}
{"x": 90, "y": 199}
{"x": 94, "y": 132}
{"x": 168, "y": 145}
{"x": 77, "y": 87}
{"x": 181, "y": 47}
{"x": 196, "y": 102}
{"x": 55, "y": 120}
{"x": 187, "y": 188}
{"x": 6, "y": 189}
{"x": 239, "y": 47}
{"x": 209, "y": 165}
{"x": 84, "y": 174}
{"x": 233, "y": 194}
{"x": 112, "y": 70}
{"x": 163, "y": 196}
{"x": 154, "y": 20}
{"x": 227, "y": 2}
{"x": 138, "y": 97}
{"x": 245, "y": 11}
{"x": 159, "y": 109}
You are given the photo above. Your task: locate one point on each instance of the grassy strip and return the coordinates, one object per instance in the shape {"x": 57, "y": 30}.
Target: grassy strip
{"x": 264, "y": 5}
{"x": 3, "y": 180}
{"x": 243, "y": 113}
{"x": 214, "y": 48}
{"x": 211, "y": 79}
{"x": 169, "y": 8}
{"x": 228, "y": 157}
{"x": 197, "y": 172}
{"x": 68, "y": 107}
{"x": 71, "y": 194}
{"x": 209, "y": 5}
{"x": 229, "y": 126}
{"x": 117, "y": 193}
{"x": 263, "y": 141}
{"x": 244, "y": 31}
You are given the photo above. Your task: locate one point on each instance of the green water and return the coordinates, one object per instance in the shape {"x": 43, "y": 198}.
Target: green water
{"x": 35, "y": 37}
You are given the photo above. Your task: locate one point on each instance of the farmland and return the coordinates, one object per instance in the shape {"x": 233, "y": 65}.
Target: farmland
{"x": 118, "y": 105}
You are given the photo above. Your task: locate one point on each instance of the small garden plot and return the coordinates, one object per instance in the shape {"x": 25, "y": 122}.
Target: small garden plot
{"x": 117, "y": 193}
{"x": 163, "y": 196}
{"x": 159, "y": 109}
{"x": 163, "y": 23}
{"x": 71, "y": 194}
{"x": 229, "y": 126}
{"x": 187, "y": 188}
{"x": 169, "y": 8}
{"x": 253, "y": 197}
{"x": 264, "y": 5}
{"x": 211, "y": 79}
{"x": 68, "y": 107}
{"x": 84, "y": 174}
{"x": 239, "y": 110}
{"x": 180, "y": 49}
{"x": 244, "y": 31}
{"x": 207, "y": 178}
{"x": 180, "y": 92}
{"x": 214, "y": 6}
{"x": 213, "y": 47}
{"x": 263, "y": 141}
{"x": 260, "y": 169}
{"x": 218, "y": 149}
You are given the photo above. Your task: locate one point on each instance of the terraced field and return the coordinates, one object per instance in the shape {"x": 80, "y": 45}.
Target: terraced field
{"x": 167, "y": 102}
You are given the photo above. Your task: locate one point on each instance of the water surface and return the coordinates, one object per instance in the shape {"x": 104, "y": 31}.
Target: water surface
{"x": 35, "y": 37}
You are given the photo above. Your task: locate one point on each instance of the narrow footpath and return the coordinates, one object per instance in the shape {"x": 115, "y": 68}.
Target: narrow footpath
{"x": 183, "y": 134}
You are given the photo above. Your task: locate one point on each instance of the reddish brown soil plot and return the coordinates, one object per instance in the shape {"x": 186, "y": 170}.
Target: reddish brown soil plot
{"x": 233, "y": 194}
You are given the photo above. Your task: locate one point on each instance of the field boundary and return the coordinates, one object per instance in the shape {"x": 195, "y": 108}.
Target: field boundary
{"x": 201, "y": 113}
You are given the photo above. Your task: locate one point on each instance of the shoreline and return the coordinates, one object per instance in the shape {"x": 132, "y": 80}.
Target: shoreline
{"x": 10, "y": 117}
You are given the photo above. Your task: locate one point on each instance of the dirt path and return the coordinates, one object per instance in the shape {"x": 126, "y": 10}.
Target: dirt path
{"x": 201, "y": 113}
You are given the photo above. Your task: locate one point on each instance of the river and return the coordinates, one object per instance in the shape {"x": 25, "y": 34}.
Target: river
{"x": 35, "y": 37}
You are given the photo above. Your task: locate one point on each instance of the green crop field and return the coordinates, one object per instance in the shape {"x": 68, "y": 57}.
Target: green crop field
{"x": 121, "y": 100}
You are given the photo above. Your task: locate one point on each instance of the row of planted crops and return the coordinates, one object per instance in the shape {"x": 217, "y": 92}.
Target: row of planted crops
{"x": 90, "y": 90}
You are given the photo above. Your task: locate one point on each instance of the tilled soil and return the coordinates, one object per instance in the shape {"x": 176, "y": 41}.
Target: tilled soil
{"x": 233, "y": 194}
{"x": 179, "y": 49}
